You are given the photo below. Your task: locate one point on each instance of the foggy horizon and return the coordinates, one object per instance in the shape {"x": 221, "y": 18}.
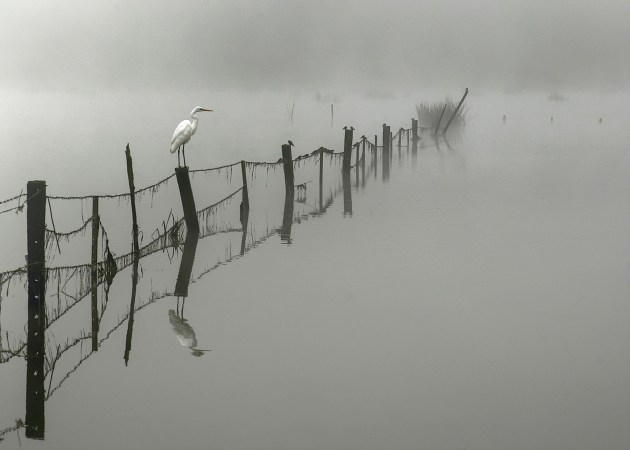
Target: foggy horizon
{"x": 399, "y": 46}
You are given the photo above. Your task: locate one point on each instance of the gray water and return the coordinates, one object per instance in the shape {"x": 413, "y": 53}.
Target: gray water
{"x": 477, "y": 298}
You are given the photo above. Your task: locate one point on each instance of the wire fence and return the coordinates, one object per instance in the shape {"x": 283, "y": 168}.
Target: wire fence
{"x": 69, "y": 287}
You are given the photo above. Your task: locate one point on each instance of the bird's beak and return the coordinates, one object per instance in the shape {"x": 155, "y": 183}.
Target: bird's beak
{"x": 203, "y": 109}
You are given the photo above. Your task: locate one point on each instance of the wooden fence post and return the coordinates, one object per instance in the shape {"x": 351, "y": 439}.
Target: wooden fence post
{"x": 188, "y": 200}
{"x": 321, "y": 180}
{"x": 385, "y": 142}
{"x": 245, "y": 199}
{"x": 186, "y": 265}
{"x": 347, "y": 147}
{"x": 287, "y": 159}
{"x": 347, "y": 193}
{"x": 375, "y": 154}
{"x": 35, "y": 229}
{"x": 287, "y": 217}
{"x": 363, "y": 139}
{"x": 456, "y": 110}
{"x": 132, "y": 191}
{"x": 414, "y": 140}
{"x": 94, "y": 272}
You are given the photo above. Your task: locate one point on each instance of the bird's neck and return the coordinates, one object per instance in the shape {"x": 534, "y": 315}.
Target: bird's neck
{"x": 194, "y": 120}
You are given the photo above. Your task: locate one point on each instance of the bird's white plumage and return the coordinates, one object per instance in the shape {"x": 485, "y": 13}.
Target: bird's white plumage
{"x": 182, "y": 134}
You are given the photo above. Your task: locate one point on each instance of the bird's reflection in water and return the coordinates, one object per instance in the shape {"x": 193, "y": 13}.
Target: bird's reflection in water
{"x": 184, "y": 331}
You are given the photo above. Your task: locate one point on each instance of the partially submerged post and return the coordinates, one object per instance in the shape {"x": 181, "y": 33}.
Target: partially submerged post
{"x": 385, "y": 142}
{"x": 287, "y": 160}
{"x": 245, "y": 198}
{"x": 414, "y": 140}
{"x": 386, "y": 152}
{"x": 456, "y": 111}
{"x": 321, "y": 181}
{"x": 186, "y": 265}
{"x": 94, "y": 272}
{"x": 347, "y": 193}
{"x": 375, "y": 154}
{"x": 132, "y": 191}
{"x": 347, "y": 147}
{"x": 188, "y": 201}
{"x": 35, "y": 230}
{"x": 287, "y": 217}
{"x": 363, "y": 139}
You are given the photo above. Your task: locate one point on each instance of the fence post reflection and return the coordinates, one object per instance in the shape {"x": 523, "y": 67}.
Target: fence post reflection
{"x": 287, "y": 217}
{"x": 186, "y": 265}
{"x": 132, "y": 305}
{"x": 347, "y": 190}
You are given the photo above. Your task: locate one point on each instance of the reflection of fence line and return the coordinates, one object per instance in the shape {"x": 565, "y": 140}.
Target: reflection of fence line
{"x": 87, "y": 277}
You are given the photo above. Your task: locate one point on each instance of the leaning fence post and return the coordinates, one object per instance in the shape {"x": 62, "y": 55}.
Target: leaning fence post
{"x": 347, "y": 147}
{"x": 132, "y": 191}
{"x": 437, "y": 126}
{"x": 188, "y": 201}
{"x": 94, "y": 272}
{"x": 245, "y": 200}
{"x": 456, "y": 110}
{"x": 287, "y": 160}
{"x": 35, "y": 231}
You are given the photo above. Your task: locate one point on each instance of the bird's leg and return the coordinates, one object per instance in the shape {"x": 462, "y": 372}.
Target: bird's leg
{"x": 184, "y": 154}
{"x": 178, "y": 163}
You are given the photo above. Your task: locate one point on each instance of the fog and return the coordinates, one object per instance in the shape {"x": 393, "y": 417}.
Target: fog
{"x": 400, "y": 45}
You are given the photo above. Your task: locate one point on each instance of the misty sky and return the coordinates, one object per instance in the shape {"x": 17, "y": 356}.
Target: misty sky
{"x": 507, "y": 46}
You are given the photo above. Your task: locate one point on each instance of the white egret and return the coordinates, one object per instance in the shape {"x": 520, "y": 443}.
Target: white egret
{"x": 184, "y": 132}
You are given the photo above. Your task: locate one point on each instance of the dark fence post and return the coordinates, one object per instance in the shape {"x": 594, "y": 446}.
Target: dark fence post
{"x": 363, "y": 139}
{"x": 375, "y": 154}
{"x": 94, "y": 272}
{"x": 385, "y": 142}
{"x": 347, "y": 193}
{"x": 132, "y": 191}
{"x": 456, "y": 110}
{"x": 287, "y": 217}
{"x": 287, "y": 159}
{"x": 245, "y": 199}
{"x": 347, "y": 147}
{"x": 391, "y": 143}
{"x": 188, "y": 200}
{"x": 386, "y": 152}
{"x": 414, "y": 140}
{"x": 35, "y": 229}
{"x": 186, "y": 265}
{"x": 321, "y": 180}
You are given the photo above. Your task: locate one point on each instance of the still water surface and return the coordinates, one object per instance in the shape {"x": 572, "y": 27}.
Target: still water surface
{"x": 475, "y": 298}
